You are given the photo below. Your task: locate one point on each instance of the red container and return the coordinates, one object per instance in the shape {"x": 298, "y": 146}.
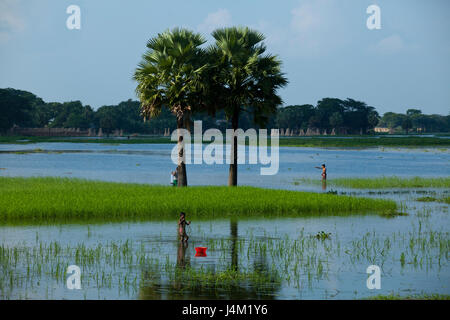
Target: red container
{"x": 200, "y": 251}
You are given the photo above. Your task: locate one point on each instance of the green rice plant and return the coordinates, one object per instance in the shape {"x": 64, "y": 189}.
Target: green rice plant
{"x": 384, "y": 182}
{"x": 322, "y": 235}
{"x": 402, "y": 259}
{"x": 445, "y": 200}
{"x": 432, "y": 199}
{"x": 355, "y": 141}
{"x": 288, "y": 261}
{"x": 224, "y": 278}
{"x": 394, "y": 296}
{"x": 41, "y": 200}
{"x": 392, "y": 214}
{"x": 426, "y": 199}
{"x": 364, "y": 142}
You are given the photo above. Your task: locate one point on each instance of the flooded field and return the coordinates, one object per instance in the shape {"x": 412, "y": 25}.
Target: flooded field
{"x": 277, "y": 258}
{"x": 151, "y": 163}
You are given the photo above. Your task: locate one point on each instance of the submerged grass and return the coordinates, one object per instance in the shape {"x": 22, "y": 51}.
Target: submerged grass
{"x": 383, "y": 182}
{"x": 411, "y": 297}
{"x": 344, "y": 141}
{"x": 262, "y": 267}
{"x": 426, "y": 199}
{"x": 432, "y": 199}
{"x": 364, "y": 141}
{"x": 63, "y": 199}
{"x": 231, "y": 277}
{"x": 446, "y": 200}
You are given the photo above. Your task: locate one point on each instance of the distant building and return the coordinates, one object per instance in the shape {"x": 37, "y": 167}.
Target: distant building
{"x": 382, "y": 130}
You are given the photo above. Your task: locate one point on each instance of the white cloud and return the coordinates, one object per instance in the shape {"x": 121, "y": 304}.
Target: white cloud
{"x": 389, "y": 45}
{"x": 317, "y": 27}
{"x": 305, "y": 18}
{"x": 10, "y": 21}
{"x": 314, "y": 27}
{"x": 219, "y": 19}
{"x": 276, "y": 36}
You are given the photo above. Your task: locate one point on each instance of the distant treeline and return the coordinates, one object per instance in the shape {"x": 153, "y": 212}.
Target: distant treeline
{"x": 24, "y": 109}
{"x": 415, "y": 120}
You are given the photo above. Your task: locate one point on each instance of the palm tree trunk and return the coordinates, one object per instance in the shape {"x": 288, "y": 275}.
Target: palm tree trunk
{"x": 232, "y": 175}
{"x": 181, "y": 169}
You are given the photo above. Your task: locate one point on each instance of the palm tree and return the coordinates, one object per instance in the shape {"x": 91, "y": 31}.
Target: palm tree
{"x": 245, "y": 78}
{"x": 170, "y": 75}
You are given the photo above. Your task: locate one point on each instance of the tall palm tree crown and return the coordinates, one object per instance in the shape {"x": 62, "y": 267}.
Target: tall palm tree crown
{"x": 245, "y": 79}
{"x": 170, "y": 76}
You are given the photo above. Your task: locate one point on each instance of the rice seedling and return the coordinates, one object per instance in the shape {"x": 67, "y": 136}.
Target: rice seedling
{"x": 433, "y": 199}
{"x": 426, "y": 199}
{"x": 255, "y": 263}
{"x": 37, "y": 200}
{"x": 384, "y": 182}
{"x": 322, "y": 235}
{"x": 392, "y": 214}
{"x": 424, "y": 296}
{"x": 127, "y": 268}
{"x": 356, "y": 141}
{"x": 363, "y": 142}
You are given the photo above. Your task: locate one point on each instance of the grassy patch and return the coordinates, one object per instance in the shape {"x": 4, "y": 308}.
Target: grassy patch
{"x": 47, "y": 199}
{"x": 426, "y": 199}
{"x": 114, "y": 269}
{"x": 392, "y": 214}
{"x": 445, "y": 200}
{"x": 322, "y": 235}
{"x": 230, "y": 277}
{"x": 412, "y": 297}
{"x": 364, "y": 142}
{"x": 431, "y": 199}
{"x": 346, "y": 141}
{"x": 383, "y": 182}
{"x": 106, "y": 140}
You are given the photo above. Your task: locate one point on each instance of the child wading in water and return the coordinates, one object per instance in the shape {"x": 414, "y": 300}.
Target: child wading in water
{"x": 182, "y": 227}
{"x": 324, "y": 171}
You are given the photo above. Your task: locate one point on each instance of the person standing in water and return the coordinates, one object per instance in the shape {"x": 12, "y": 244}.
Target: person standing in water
{"x": 324, "y": 172}
{"x": 182, "y": 227}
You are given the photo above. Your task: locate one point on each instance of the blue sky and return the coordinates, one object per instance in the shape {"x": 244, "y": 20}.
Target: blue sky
{"x": 325, "y": 46}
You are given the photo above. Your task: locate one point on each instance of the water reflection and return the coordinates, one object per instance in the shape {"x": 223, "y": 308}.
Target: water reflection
{"x": 212, "y": 282}
{"x": 234, "y": 250}
{"x": 182, "y": 260}
{"x": 241, "y": 259}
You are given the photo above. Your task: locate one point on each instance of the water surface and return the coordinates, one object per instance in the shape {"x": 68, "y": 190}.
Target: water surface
{"x": 139, "y": 260}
